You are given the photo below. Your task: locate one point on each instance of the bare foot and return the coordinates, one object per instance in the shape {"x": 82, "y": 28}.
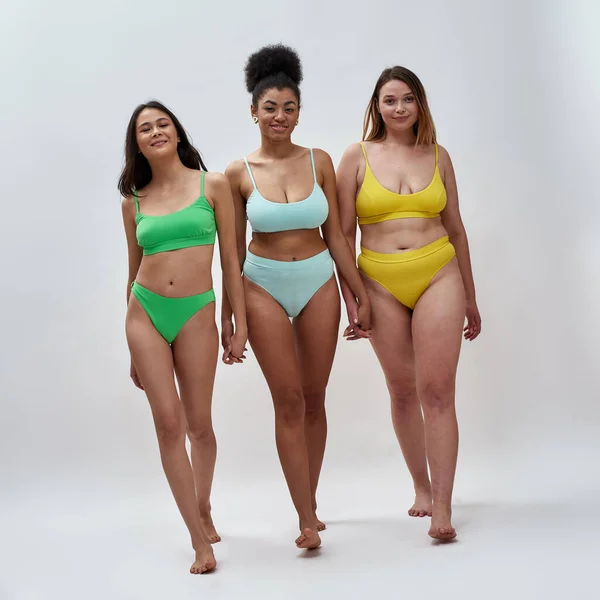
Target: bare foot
{"x": 423, "y": 504}
{"x": 205, "y": 561}
{"x": 441, "y": 526}
{"x": 320, "y": 525}
{"x": 209, "y": 527}
{"x": 309, "y": 539}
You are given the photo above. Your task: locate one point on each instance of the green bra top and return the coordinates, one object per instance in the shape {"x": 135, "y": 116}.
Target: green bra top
{"x": 193, "y": 225}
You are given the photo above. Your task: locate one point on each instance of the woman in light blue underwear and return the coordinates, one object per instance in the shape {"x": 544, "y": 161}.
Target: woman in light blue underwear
{"x": 288, "y": 194}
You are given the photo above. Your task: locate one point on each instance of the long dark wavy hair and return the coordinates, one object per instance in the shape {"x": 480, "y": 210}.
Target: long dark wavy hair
{"x": 137, "y": 172}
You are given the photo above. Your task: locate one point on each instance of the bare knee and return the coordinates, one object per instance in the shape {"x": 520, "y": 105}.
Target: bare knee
{"x": 314, "y": 401}
{"x": 201, "y": 433}
{"x": 169, "y": 429}
{"x": 289, "y": 406}
{"x": 437, "y": 396}
{"x": 403, "y": 394}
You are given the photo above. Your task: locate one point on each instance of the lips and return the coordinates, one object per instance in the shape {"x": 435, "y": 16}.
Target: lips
{"x": 279, "y": 127}
{"x": 159, "y": 143}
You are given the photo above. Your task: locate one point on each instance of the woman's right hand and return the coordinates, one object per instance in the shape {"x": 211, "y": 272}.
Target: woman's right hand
{"x": 135, "y": 377}
{"x": 354, "y": 330}
{"x": 233, "y": 348}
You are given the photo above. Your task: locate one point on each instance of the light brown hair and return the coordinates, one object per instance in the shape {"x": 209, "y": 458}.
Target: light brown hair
{"x": 374, "y": 127}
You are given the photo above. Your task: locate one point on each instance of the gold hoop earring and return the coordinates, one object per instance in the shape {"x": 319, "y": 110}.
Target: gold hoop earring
{"x": 255, "y": 119}
{"x": 298, "y": 121}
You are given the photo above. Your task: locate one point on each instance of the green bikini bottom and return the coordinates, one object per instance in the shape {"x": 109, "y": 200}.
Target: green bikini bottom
{"x": 169, "y": 315}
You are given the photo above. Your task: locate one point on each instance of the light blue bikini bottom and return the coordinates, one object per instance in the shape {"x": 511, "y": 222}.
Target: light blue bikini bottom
{"x": 291, "y": 283}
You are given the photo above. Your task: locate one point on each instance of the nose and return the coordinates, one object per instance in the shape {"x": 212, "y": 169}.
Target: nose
{"x": 280, "y": 116}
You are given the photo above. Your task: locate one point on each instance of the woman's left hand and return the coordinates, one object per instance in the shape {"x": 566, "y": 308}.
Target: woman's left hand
{"x": 473, "y": 327}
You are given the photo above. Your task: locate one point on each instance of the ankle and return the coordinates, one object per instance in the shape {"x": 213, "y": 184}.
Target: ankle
{"x": 422, "y": 487}
{"x": 204, "y": 509}
{"x": 200, "y": 542}
{"x": 442, "y": 508}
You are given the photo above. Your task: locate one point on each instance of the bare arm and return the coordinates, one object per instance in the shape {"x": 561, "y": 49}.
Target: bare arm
{"x": 134, "y": 253}
{"x": 337, "y": 242}
{"x": 453, "y": 224}
{"x": 239, "y": 207}
{"x": 347, "y": 189}
{"x": 233, "y": 289}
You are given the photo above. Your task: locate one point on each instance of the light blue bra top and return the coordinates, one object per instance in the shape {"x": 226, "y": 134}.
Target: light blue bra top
{"x": 266, "y": 216}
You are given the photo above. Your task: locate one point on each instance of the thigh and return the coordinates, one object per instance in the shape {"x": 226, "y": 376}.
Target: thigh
{"x": 391, "y": 337}
{"x": 438, "y": 321}
{"x": 153, "y": 361}
{"x": 272, "y": 340}
{"x": 195, "y": 351}
{"x": 316, "y": 331}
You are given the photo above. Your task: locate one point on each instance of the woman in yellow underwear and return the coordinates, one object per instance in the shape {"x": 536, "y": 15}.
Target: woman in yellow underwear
{"x": 415, "y": 263}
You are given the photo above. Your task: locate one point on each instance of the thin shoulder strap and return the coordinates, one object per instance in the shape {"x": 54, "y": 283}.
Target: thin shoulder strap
{"x": 312, "y": 162}
{"x": 364, "y": 151}
{"x": 135, "y": 199}
{"x": 250, "y": 172}
{"x": 202, "y": 174}
{"x": 436, "y": 155}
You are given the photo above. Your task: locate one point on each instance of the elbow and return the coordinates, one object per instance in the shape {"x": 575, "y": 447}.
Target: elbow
{"x": 456, "y": 234}
{"x": 335, "y": 238}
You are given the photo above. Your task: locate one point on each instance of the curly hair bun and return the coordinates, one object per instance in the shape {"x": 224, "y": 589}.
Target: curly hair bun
{"x": 272, "y": 60}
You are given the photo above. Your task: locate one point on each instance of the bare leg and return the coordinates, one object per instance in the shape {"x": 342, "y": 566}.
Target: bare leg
{"x": 195, "y": 351}
{"x": 392, "y": 342}
{"x": 316, "y": 331}
{"x": 437, "y": 333}
{"x": 272, "y": 340}
{"x": 153, "y": 360}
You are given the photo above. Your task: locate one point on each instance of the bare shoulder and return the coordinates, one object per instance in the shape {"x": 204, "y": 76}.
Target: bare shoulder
{"x": 354, "y": 150}
{"x": 444, "y": 156}
{"x": 352, "y": 155}
{"x": 322, "y": 158}
{"x": 216, "y": 183}
{"x": 128, "y": 205}
{"x": 235, "y": 169}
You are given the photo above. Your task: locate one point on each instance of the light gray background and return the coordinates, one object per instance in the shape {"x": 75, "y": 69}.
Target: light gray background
{"x": 514, "y": 87}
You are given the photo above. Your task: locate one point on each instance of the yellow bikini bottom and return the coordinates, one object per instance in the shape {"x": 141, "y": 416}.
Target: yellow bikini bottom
{"x": 406, "y": 275}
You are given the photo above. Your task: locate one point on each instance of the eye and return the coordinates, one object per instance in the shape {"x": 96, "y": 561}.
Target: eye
{"x": 289, "y": 110}
{"x": 409, "y": 99}
{"x": 164, "y": 125}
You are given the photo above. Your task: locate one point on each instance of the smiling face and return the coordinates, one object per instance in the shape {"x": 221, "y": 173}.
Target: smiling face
{"x": 277, "y": 113}
{"x": 156, "y": 134}
{"x": 398, "y": 106}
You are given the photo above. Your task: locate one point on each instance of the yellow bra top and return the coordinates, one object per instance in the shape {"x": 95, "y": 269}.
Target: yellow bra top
{"x": 376, "y": 203}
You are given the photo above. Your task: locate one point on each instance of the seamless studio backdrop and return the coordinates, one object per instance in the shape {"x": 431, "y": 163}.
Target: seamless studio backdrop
{"x": 85, "y": 510}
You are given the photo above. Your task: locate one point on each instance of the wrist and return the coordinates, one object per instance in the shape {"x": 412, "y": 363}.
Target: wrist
{"x": 241, "y": 328}
{"x": 364, "y": 300}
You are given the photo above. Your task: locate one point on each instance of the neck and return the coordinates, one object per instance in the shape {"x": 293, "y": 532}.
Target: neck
{"x": 167, "y": 171}
{"x": 273, "y": 149}
{"x": 401, "y": 138}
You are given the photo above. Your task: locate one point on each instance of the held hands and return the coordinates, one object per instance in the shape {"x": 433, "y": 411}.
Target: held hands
{"x": 234, "y": 344}
{"x": 473, "y": 327}
{"x": 359, "y": 319}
